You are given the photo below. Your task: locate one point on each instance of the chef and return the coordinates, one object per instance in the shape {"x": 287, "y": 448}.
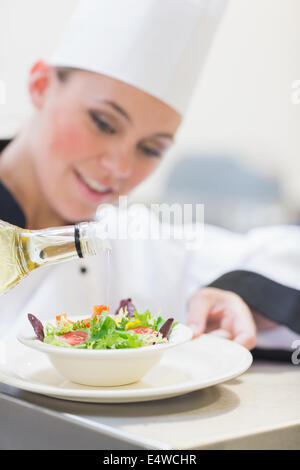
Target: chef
{"x": 107, "y": 106}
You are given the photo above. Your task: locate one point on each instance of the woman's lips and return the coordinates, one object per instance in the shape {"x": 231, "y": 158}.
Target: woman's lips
{"x": 92, "y": 189}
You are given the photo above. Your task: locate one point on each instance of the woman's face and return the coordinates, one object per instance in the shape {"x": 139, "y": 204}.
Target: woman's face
{"x": 94, "y": 138}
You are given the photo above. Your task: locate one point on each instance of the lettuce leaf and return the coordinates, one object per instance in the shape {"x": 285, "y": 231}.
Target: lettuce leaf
{"x": 56, "y": 341}
{"x": 142, "y": 320}
{"x": 105, "y": 334}
{"x": 61, "y": 327}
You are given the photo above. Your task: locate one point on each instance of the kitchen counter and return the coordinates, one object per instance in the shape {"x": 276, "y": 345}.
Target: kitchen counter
{"x": 258, "y": 410}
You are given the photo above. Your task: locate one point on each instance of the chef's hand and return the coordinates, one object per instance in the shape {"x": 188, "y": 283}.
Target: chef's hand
{"x": 222, "y": 313}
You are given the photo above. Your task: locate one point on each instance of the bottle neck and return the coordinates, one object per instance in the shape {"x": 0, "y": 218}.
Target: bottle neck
{"x": 89, "y": 240}
{"x": 53, "y": 245}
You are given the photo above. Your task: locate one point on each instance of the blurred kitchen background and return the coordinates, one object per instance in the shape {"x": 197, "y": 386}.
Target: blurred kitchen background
{"x": 238, "y": 149}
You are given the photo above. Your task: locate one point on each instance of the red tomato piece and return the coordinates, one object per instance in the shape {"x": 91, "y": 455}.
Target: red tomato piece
{"x": 142, "y": 330}
{"x": 74, "y": 337}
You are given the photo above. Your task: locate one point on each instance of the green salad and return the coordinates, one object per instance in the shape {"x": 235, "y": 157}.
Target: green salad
{"x": 127, "y": 328}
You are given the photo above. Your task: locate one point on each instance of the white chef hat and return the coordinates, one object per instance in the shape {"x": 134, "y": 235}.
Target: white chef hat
{"x": 158, "y": 46}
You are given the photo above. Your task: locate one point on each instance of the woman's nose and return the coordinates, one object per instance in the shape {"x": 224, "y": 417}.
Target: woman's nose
{"x": 118, "y": 161}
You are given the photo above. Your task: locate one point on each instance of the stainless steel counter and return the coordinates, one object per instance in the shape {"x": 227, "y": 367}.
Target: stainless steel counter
{"x": 258, "y": 410}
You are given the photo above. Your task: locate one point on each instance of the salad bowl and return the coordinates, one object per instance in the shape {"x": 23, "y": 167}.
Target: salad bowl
{"x": 104, "y": 367}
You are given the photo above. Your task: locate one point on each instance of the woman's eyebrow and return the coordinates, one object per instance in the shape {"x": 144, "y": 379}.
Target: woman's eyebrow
{"x": 117, "y": 108}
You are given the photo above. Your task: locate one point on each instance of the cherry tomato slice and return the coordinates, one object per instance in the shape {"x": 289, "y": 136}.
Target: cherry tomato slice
{"x": 141, "y": 330}
{"x": 74, "y": 337}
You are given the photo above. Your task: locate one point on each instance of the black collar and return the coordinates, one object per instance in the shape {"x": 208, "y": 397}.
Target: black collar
{"x": 10, "y": 210}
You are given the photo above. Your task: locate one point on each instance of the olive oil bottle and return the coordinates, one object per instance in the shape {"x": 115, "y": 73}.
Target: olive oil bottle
{"x": 22, "y": 251}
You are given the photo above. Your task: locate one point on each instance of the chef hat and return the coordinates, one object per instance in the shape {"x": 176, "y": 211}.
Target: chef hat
{"x": 158, "y": 46}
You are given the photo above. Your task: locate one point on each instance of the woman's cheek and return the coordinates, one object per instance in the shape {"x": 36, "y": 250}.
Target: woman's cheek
{"x": 69, "y": 140}
{"x": 68, "y": 144}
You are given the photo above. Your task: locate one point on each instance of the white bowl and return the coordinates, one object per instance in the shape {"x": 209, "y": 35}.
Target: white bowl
{"x": 104, "y": 367}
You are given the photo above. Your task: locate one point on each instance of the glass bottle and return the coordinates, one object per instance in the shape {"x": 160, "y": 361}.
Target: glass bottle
{"x": 22, "y": 251}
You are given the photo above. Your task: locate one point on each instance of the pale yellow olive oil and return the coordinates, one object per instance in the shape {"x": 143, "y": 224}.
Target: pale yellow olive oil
{"x": 22, "y": 251}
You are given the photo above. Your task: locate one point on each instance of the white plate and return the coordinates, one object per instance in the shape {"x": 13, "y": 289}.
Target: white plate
{"x": 200, "y": 363}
